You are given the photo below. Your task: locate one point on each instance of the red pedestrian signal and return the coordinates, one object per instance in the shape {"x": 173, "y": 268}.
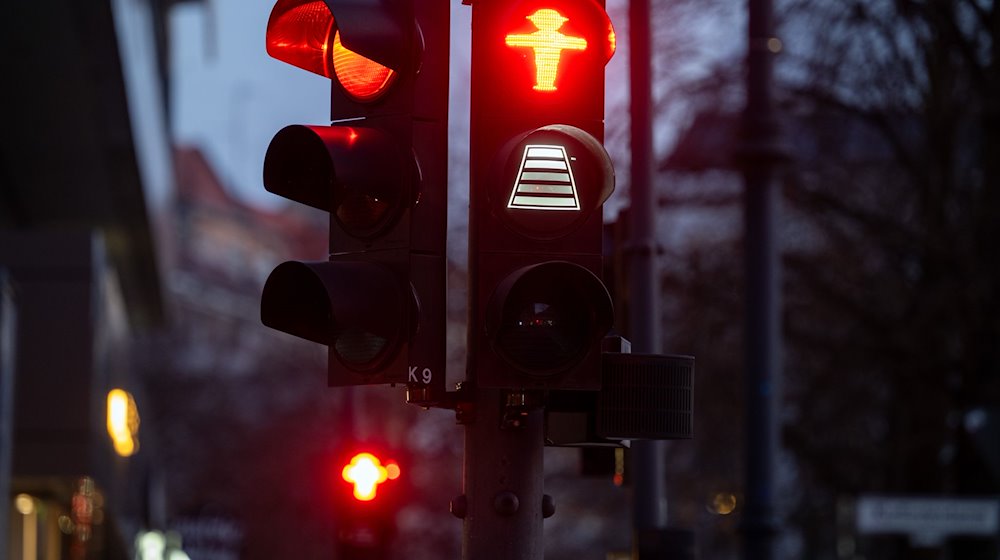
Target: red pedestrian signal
{"x": 369, "y": 491}
{"x": 547, "y": 44}
{"x": 539, "y": 179}
{"x": 365, "y": 472}
{"x": 543, "y": 50}
{"x": 380, "y": 170}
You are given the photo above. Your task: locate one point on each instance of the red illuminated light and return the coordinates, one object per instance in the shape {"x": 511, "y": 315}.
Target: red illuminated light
{"x": 366, "y": 472}
{"x": 303, "y": 33}
{"x": 362, "y": 78}
{"x": 547, "y": 42}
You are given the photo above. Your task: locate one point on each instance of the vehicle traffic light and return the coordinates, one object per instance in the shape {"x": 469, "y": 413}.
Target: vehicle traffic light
{"x": 539, "y": 178}
{"x": 380, "y": 170}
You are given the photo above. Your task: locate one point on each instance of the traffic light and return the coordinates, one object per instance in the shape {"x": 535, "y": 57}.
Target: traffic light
{"x": 380, "y": 170}
{"x": 367, "y": 498}
{"x": 539, "y": 178}
{"x": 365, "y": 472}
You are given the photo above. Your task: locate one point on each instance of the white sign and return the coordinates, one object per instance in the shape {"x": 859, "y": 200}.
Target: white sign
{"x": 928, "y": 520}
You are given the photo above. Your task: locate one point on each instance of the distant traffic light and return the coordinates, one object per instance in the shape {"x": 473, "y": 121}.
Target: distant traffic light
{"x": 380, "y": 170}
{"x": 367, "y": 501}
{"x": 539, "y": 178}
{"x": 366, "y": 472}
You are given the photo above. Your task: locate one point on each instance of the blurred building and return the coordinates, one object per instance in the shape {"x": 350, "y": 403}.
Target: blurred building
{"x": 219, "y": 367}
{"x": 85, "y": 162}
{"x": 223, "y": 248}
{"x": 854, "y": 254}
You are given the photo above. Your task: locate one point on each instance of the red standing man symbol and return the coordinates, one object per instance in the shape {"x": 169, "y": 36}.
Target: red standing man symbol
{"x": 548, "y": 43}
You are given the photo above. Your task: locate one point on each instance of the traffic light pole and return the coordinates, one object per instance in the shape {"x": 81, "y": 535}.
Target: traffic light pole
{"x": 649, "y": 502}
{"x": 762, "y": 369}
{"x": 503, "y": 502}
{"x": 652, "y": 537}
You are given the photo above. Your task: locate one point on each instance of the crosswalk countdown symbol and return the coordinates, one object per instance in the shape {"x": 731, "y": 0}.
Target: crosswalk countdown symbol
{"x": 553, "y": 180}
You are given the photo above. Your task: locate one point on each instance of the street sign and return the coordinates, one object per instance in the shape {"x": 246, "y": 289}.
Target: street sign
{"x": 928, "y": 520}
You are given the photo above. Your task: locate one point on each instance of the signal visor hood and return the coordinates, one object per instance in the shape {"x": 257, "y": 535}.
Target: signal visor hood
{"x": 302, "y": 32}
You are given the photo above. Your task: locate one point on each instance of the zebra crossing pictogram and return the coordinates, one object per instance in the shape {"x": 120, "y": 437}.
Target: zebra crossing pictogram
{"x": 544, "y": 181}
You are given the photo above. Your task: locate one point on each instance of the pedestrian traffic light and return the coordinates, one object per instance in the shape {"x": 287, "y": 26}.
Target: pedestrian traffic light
{"x": 366, "y": 472}
{"x": 380, "y": 170}
{"x": 539, "y": 178}
{"x": 369, "y": 487}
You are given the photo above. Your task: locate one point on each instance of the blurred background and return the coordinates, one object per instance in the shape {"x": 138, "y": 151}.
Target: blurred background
{"x": 135, "y": 238}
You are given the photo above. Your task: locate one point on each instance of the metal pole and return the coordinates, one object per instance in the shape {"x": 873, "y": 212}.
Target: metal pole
{"x": 650, "y": 499}
{"x": 503, "y": 502}
{"x": 8, "y": 332}
{"x": 763, "y": 299}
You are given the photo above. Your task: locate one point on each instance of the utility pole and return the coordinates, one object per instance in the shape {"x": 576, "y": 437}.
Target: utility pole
{"x": 652, "y": 538}
{"x": 762, "y": 367}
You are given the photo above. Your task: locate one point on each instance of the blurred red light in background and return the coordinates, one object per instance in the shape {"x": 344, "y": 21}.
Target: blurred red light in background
{"x": 366, "y": 472}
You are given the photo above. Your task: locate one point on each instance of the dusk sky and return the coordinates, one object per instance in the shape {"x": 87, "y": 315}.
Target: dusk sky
{"x": 230, "y": 97}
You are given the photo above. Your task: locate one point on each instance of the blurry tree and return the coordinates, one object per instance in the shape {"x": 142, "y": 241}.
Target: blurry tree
{"x": 892, "y": 314}
{"x": 892, "y": 275}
